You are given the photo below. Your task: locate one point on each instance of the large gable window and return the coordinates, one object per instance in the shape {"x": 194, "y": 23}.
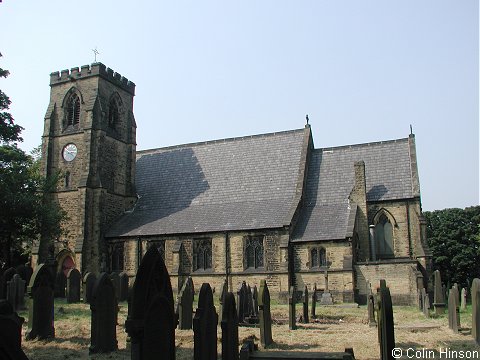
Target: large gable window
{"x": 254, "y": 252}
{"x": 202, "y": 254}
{"x": 384, "y": 237}
{"x": 73, "y": 110}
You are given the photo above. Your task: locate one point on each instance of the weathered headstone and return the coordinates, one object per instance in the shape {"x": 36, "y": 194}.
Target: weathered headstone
{"x": 265, "y": 317}
{"x": 386, "y": 334}
{"x": 40, "y": 291}
{"x": 223, "y": 293}
{"x": 10, "y": 333}
{"x": 255, "y": 301}
{"x": 326, "y": 298}
{"x": 242, "y": 302}
{"x": 16, "y": 292}
{"x": 205, "y": 326}
{"x": 60, "y": 284}
{"x": 438, "y": 295}
{"x": 463, "y": 299}
{"x": 88, "y": 283}
{"x": 185, "y": 305}
{"x": 115, "y": 277}
{"x": 151, "y": 318}
{"x": 475, "y": 294}
{"x": 229, "y": 325}
{"x": 73, "y": 286}
{"x": 305, "y": 305}
{"x": 371, "y": 311}
{"x": 453, "y": 315}
{"x": 426, "y": 303}
{"x": 123, "y": 293}
{"x": 103, "y": 305}
{"x": 292, "y": 325}
{"x": 6, "y": 277}
{"x": 314, "y": 301}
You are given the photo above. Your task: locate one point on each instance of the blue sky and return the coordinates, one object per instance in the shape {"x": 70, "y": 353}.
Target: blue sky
{"x": 363, "y": 71}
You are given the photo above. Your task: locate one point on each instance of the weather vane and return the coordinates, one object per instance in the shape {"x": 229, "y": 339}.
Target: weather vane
{"x": 95, "y": 51}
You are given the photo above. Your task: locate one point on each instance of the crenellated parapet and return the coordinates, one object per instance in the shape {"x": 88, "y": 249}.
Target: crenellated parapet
{"x": 96, "y": 69}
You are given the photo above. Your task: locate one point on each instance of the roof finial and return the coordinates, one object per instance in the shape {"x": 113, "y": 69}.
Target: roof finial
{"x": 95, "y": 51}
{"x": 411, "y": 129}
{"x": 306, "y": 117}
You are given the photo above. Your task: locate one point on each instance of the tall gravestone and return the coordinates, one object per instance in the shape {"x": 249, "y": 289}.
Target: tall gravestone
{"x": 88, "y": 283}
{"x": 16, "y": 292}
{"x": 229, "y": 325}
{"x": 438, "y": 295}
{"x": 10, "y": 333}
{"x": 463, "y": 299}
{"x": 475, "y": 294}
{"x": 103, "y": 305}
{"x": 6, "y": 277}
{"x": 255, "y": 301}
{"x": 426, "y": 303}
{"x": 151, "y": 319}
{"x": 314, "y": 301}
{"x": 185, "y": 305}
{"x": 292, "y": 325}
{"x": 123, "y": 293}
{"x": 40, "y": 291}
{"x": 60, "y": 284}
{"x": 371, "y": 311}
{"x": 242, "y": 302}
{"x": 305, "y": 305}
{"x": 386, "y": 334}
{"x": 205, "y": 326}
{"x": 453, "y": 315}
{"x": 223, "y": 293}
{"x": 265, "y": 317}
{"x": 74, "y": 279}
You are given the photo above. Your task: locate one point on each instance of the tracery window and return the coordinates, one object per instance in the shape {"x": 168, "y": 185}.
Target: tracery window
{"x": 384, "y": 237}
{"x": 112, "y": 114}
{"x": 254, "y": 252}
{"x": 117, "y": 257}
{"x": 318, "y": 257}
{"x": 73, "y": 110}
{"x": 202, "y": 254}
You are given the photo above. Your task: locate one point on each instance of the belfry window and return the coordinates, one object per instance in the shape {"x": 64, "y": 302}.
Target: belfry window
{"x": 202, "y": 254}
{"x": 112, "y": 114}
{"x": 384, "y": 237}
{"x": 73, "y": 111}
{"x": 254, "y": 252}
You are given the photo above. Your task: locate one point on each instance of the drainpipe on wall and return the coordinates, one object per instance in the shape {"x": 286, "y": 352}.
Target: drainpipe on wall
{"x": 227, "y": 256}
{"x": 410, "y": 250}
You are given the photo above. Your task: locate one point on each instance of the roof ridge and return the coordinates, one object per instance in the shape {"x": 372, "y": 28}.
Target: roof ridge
{"x": 373, "y": 143}
{"x": 218, "y": 141}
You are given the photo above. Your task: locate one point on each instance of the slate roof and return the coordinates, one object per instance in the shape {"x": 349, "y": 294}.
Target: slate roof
{"x": 232, "y": 184}
{"x": 326, "y": 211}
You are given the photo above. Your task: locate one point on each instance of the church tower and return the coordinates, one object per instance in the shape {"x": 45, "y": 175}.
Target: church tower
{"x": 89, "y": 139}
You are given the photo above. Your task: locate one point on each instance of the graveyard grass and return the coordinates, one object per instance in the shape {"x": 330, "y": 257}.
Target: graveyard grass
{"x": 334, "y": 329}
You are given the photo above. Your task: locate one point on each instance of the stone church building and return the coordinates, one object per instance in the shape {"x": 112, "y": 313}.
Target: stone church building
{"x": 268, "y": 206}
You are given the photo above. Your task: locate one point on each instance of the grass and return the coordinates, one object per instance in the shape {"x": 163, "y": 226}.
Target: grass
{"x": 335, "y": 329}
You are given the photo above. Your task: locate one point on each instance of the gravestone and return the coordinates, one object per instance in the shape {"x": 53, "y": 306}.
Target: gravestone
{"x": 371, "y": 311}
{"x": 463, "y": 299}
{"x": 88, "y": 283}
{"x": 205, "y": 326}
{"x": 116, "y": 283}
{"x": 6, "y": 277}
{"x": 16, "y": 292}
{"x": 151, "y": 319}
{"x": 265, "y": 317}
{"x": 291, "y": 309}
{"x": 40, "y": 291}
{"x": 10, "y": 333}
{"x": 185, "y": 305}
{"x": 475, "y": 294}
{"x": 123, "y": 293}
{"x": 229, "y": 325}
{"x": 386, "y": 334}
{"x": 73, "y": 286}
{"x": 223, "y": 293}
{"x": 60, "y": 284}
{"x": 305, "y": 305}
{"x": 426, "y": 303}
{"x": 453, "y": 315}
{"x": 326, "y": 298}
{"x": 242, "y": 302}
{"x": 255, "y": 301}
{"x": 438, "y": 295}
{"x": 314, "y": 301}
{"x": 103, "y": 305}
{"x": 25, "y": 271}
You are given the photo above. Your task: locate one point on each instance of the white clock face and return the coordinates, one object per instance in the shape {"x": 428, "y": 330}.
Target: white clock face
{"x": 69, "y": 152}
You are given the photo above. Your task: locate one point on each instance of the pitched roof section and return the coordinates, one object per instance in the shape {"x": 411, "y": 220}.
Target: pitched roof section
{"x": 233, "y": 184}
{"x": 331, "y": 179}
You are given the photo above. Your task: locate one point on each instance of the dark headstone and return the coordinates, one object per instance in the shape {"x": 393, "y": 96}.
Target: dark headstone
{"x": 305, "y": 305}
{"x": 16, "y": 292}
{"x": 229, "y": 325}
{"x": 123, "y": 293}
{"x": 223, "y": 293}
{"x": 438, "y": 295}
{"x": 205, "y": 326}
{"x": 25, "y": 271}
{"x": 386, "y": 334}
{"x": 60, "y": 284}
{"x": 6, "y": 277}
{"x": 10, "y": 333}
{"x": 371, "y": 311}
{"x": 453, "y": 315}
{"x": 185, "y": 305}
{"x": 151, "y": 319}
{"x": 265, "y": 317}
{"x": 255, "y": 301}
{"x": 242, "y": 302}
{"x": 115, "y": 277}
{"x": 40, "y": 291}
{"x": 103, "y": 305}
{"x": 292, "y": 325}
{"x": 88, "y": 283}
{"x": 475, "y": 294}
{"x": 73, "y": 286}
{"x": 314, "y": 301}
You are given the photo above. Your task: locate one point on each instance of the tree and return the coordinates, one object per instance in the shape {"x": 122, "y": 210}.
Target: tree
{"x": 454, "y": 238}
{"x": 9, "y": 131}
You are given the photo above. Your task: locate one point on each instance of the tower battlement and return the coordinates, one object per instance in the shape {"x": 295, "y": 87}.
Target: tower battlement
{"x": 96, "y": 69}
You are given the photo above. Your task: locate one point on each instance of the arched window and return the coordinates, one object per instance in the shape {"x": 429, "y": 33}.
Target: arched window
{"x": 202, "y": 254}
{"x": 314, "y": 261}
{"x": 323, "y": 256}
{"x": 112, "y": 114}
{"x": 254, "y": 252}
{"x": 384, "y": 237}
{"x": 318, "y": 257}
{"x": 73, "y": 110}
